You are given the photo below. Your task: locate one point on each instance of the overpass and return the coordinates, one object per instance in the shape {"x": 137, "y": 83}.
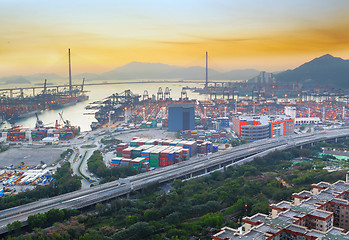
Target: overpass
{"x": 184, "y": 170}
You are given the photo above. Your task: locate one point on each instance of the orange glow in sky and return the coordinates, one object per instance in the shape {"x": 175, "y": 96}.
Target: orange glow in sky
{"x": 266, "y": 35}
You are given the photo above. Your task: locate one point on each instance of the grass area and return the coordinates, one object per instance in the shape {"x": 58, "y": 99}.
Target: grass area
{"x": 88, "y": 146}
{"x": 82, "y": 160}
{"x": 76, "y": 156}
{"x": 62, "y": 156}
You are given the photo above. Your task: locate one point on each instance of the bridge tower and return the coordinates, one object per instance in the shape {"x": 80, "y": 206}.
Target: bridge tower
{"x": 206, "y": 83}
{"x": 70, "y": 82}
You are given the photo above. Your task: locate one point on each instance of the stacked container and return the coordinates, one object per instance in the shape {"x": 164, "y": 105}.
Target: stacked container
{"x": 137, "y": 163}
{"x": 164, "y": 157}
{"x": 119, "y": 148}
{"x": 115, "y": 162}
{"x": 215, "y": 148}
{"x": 146, "y": 154}
{"x": 145, "y": 167}
{"x": 223, "y": 134}
{"x": 185, "y": 154}
{"x": 126, "y": 153}
{"x": 154, "y": 157}
{"x": 192, "y": 146}
{"x": 125, "y": 162}
{"x": 209, "y": 147}
{"x": 171, "y": 156}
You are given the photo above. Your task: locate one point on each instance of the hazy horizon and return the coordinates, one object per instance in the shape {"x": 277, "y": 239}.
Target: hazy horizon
{"x": 265, "y": 35}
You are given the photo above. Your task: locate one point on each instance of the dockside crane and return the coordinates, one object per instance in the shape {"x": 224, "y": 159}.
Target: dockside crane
{"x": 66, "y": 122}
{"x": 39, "y": 123}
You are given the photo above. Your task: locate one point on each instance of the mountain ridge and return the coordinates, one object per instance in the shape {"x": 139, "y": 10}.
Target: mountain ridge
{"x": 325, "y": 70}
{"x": 145, "y": 70}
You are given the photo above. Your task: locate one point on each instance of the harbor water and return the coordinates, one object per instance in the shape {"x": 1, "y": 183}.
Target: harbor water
{"x": 79, "y": 116}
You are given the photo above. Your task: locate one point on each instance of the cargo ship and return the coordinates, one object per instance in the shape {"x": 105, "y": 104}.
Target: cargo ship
{"x": 14, "y": 108}
{"x": 62, "y": 131}
{"x": 112, "y": 107}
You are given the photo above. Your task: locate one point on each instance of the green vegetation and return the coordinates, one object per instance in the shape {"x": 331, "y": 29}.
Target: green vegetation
{"x": 110, "y": 140}
{"x": 79, "y": 168}
{"x": 68, "y": 152}
{"x": 198, "y": 207}
{"x": 235, "y": 143}
{"x": 42, "y": 220}
{"x": 15, "y": 226}
{"x": 3, "y": 147}
{"x": 64, "y": 183}
{"x": 75, "y": 157}
{"x": 96, "y": 165}
{"x": 88, "y": 146}
{"x": 63, "y": 155}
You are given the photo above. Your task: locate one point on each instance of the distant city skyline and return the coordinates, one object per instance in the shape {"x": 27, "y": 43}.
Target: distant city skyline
{"x": 266, "y": 35}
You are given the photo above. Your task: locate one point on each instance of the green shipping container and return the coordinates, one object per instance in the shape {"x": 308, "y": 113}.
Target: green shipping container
{"x": 153, "y": 163}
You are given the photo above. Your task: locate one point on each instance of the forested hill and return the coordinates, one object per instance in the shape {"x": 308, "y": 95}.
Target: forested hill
{"x": 325, "y": 71}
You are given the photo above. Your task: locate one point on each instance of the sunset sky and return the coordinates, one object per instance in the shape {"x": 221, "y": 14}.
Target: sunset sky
{"x": 269, "y": 35}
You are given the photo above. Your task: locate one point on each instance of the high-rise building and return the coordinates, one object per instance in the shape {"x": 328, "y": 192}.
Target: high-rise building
{"x": 181, "y": 117}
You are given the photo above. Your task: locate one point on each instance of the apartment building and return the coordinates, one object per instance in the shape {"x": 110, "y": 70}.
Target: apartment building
{"x": 322, "y": 213}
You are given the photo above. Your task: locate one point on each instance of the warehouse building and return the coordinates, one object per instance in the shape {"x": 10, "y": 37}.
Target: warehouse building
{"x": 252, "y": 128}
{"x": 322, "y": 213}
{"x": 181, "y": 117}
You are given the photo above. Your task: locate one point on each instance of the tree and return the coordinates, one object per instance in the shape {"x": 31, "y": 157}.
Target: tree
{"x": 153, "y": 214}
{"x": 54, "y": 215}
{"x": 100, "y": 208}
{"x": 37, "y": 221}
{"x": 15, "y": 226}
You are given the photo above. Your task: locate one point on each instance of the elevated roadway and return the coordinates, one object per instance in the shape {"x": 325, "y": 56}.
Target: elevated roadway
{"x": 188, "y": 169}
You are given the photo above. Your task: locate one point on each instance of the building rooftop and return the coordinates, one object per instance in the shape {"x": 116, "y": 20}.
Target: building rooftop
{"x": 324, "y": 196}
{"x": 295, "y": 228}
{"x": 293, "y": 221}
{"x": 259, "y": 217}
{"x": 267, "y": 229}
{"x": 322, "y": 184}
{"x": 303, "y": 194}
{"x": 337, "y": 200}
{"x": 304, "y": 207}
{"x": 336, "y": 234}
{"x": 314, "y": 201}
{"x": 321, "y": 213}
{"x": 340, "y": 185}
{"x": 292, "y": 214}
{"x": 263, "y": 119}
{"x": 280, "y": 221}
{"x": 283, "y": 204}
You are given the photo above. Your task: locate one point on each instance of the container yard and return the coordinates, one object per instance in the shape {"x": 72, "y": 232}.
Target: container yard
{"x": 144, "y": 154}
{"x": 13, "y": 177}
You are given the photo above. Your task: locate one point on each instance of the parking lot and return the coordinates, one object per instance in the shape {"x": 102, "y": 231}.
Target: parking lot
{"x": 30, "y": 156}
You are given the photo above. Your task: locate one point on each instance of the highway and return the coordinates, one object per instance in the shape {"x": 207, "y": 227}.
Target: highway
{"x": 194, "y": 167}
